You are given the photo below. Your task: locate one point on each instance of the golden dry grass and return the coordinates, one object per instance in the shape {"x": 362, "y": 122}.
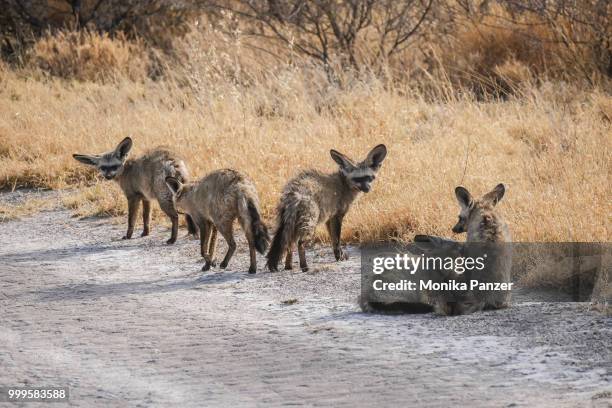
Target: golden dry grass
{"x": 551, "y": 147}
{"x": 10, "y": 212}
{"x": 500, "y": 50}
{"x": 222, "y": 104}
{"x": 88, "y": 56}
{"x": 98, "y": 200}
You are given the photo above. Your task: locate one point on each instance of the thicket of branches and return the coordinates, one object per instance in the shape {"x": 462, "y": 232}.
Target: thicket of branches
{"x": 353, "y": 34}
{"x": 575, "y": 25}
{"x": 22, "y": 21}
{"x": 354, "y": 31}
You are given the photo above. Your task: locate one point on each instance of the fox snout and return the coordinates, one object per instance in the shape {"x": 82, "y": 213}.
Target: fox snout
{"x": 459, "y": 228}
{"x": 365, "y": 188}
{"x": 110, "y": 171}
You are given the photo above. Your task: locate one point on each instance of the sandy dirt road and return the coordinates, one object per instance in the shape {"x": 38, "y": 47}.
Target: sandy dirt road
{"x": 135, "y": 323}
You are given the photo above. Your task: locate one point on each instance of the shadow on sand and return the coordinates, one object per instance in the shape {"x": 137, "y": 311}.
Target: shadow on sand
{"x": 94, "y": 291}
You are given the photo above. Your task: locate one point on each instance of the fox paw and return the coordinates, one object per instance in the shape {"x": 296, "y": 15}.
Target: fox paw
{"x": 252, "y": 270}
{"x": 341, "y": 255}
{"x": 171, "y": 241}
{"x": 209, "y": 264}
{"x": 144, "y": 234}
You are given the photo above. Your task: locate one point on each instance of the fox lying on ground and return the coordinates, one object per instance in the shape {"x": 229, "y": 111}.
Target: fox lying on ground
{"x": 313, "y": 198}
{"x": 142, "y": 179}
{"x": 214, "y": 203}
{"x": 487, "y": 233}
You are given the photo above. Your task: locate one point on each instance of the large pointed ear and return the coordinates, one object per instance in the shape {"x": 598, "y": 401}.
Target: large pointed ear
{"x": 174, "y": 185}
{"x": 495, "y": 195}
{"x": 89, "y": 159}
{"x": 376, "y": 156}
{"x": 123, "y": 148}
{"x": 343, "y": 161}
{"x": 464, "y": 197}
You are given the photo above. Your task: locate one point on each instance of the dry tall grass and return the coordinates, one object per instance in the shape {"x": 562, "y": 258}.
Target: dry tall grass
{"x": 230, "y": 106}
{"x": 500, "y": 51}
{"x": 88, "y": 56}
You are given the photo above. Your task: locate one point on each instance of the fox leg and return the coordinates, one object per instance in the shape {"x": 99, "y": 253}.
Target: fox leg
{"x": 334, "y": 228}
{"x": 289, "y": 257}
{"x": 133, "y": 204}
{"x": 206, "y": 228}
{"x": 168, "y": 208}
{"x": 204, "y": 236}
{"x": 146, "y": 216}
{"x": 302, "y": 255}
{"x": 192, "y": 229}
{"x": 252, "y": 257}
{"x": 227, "y": 231}
{"x": 213, "y": 244}
{"x": 248, "y": 233}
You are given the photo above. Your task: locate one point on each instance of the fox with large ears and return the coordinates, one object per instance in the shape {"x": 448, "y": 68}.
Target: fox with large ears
{"x": 142, "y": 179}
{"x": 487, "y": 237}
{"x": 214, "y": 203}
{"x": 478, "y": 217}
{"x": 313, "y": 198}
{"x": 487, "y": 233}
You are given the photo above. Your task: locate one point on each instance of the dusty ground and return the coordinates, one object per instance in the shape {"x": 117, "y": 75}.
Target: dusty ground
{"x": 135, "y": 323}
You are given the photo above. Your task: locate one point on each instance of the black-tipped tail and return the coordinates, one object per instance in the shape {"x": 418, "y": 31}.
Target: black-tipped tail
{"x": 258, "y": 229}
{"x": 277, "y": 250}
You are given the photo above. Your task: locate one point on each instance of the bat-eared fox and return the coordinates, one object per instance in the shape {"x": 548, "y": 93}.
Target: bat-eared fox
{"x": 487, "y": 237}
{"x": 142, "y": 179}
{"x": 313, "y": 198}
{"x": 214, "y": 202}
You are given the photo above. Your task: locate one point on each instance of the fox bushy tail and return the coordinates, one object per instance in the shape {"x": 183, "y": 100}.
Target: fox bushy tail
{"x": 281, "y": 240}
{"x": 259, "y": 231}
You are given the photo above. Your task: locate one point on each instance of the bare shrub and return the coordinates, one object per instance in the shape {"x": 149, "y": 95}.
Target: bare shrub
{"x": 487, "y": 47}
{"x": 158, "y": 22}
{"x": 580, "y": 28}
{"x": 89, "y": 56}
{"x": 498, "y": 46}
{"x": 356, "y": 32}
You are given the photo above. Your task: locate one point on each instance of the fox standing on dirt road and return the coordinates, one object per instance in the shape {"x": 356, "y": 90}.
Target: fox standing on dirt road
{"x": 214, "y": 203}
{"x": 314, "y": 197}
{"x": 142, "y": 179}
